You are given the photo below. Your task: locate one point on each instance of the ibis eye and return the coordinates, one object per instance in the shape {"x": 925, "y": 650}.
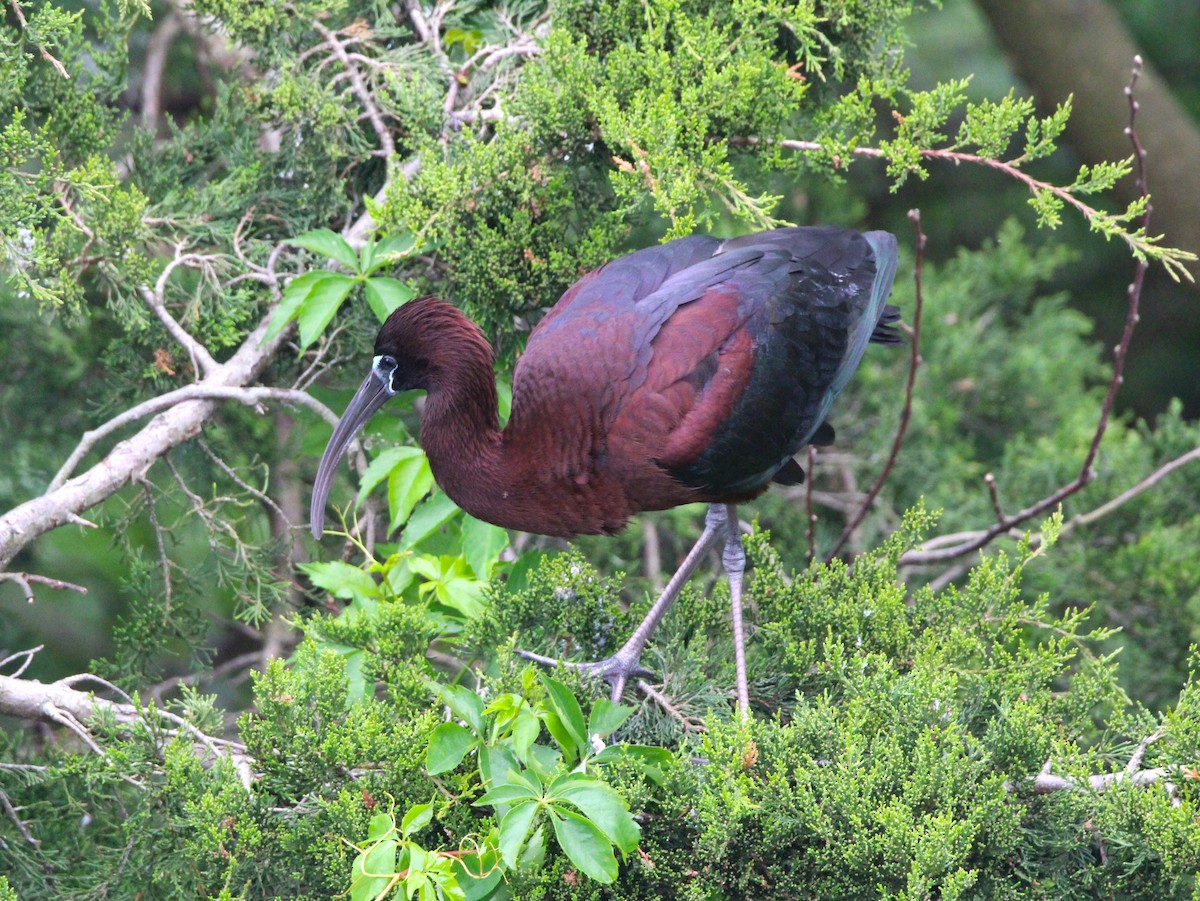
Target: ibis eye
{"x": 384, "y": 367}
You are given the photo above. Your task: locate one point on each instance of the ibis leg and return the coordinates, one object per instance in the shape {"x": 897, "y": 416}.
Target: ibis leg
{"x": 626, "y": 662}
{"x": 733, "y": 558}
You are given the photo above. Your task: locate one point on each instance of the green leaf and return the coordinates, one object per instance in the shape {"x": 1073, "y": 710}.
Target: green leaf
{"x": 463, "y": 703}
{"x": 513, "y": 830}
{"x": 525, "y": 733}
{"x": 322, "y": 303}
{"x": 534, "y": 856}
{"x": 294, "y": 295}
{"x": 495, "y": 763}
{"x": 585, "y": 845}
{"x": 508, "y": 793}
{"x": 408, "y": 482}
{"x": 428, "y": 516}
{"x": 482, "y": 545}
{"x": 603, "y": 806}
{"x": 477, "y": 874}
{"x": 607, "y": 717}
{"x": 379, "y": 827}
{"x": 566, "y": 710}
{"x": 329, "y": 244}
{"x": 418, "y": 817}
{"x": 385, "y": 295}
{"x": 373, "y": 870}
{"x": 392, "y": 248}
{"x": 341, "y": 579}
{"x": 528, "y": 778}
{"x": 448, "y": 745}
{"x": 381, "y": 467}
{"x": 367, "y": 256}
{"x": 462, "y": 595}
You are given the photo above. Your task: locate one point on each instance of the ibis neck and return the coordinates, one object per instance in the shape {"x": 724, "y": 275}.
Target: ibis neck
{"x": 460, "y": 429}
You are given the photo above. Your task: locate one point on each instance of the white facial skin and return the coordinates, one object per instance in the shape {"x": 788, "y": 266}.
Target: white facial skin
{"x": 384, "y": 371}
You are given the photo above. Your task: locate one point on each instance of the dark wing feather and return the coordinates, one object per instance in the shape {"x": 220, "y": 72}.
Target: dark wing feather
{"x": 814, "y": 301}
{"x": 717, "y": 360}
{"x": 593, "y": 348}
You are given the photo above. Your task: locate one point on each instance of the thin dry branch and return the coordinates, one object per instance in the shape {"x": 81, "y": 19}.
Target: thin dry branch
{"x": 973, "y": 541}
{"x": 182, "y": 421}
{"x": 689, "y": 723}
{"x": 11, "y": 812}
{"x": 906, "y": 413}
{"x": 27, "y": 654}
{"x": 23, "y": 580}
{"x": 46, "y": 55}
{"x": 365, "y": 97}
{"x": 249, "y": 396}
{"x": 202, "y": 361}
{"x": 1046, "y": 781}
{"x": 58, "y": 702}
{"x": 1129, "y": 494}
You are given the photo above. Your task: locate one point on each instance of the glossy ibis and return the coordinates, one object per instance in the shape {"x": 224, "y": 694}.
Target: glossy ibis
{"x": 691, "y": 371}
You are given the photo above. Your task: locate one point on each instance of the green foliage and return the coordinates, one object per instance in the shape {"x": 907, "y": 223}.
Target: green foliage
{"x": 313, "y": 299}
{"x": 390, "y": 859}
{"x": 902, "y": 767}
{"x": 1011, "y": 384}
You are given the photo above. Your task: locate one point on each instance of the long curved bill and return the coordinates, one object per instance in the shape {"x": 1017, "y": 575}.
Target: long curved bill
{"x": 372, "y": 394}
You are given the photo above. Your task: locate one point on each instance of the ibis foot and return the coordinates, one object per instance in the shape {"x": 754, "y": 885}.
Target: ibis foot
{"x": 616, "y": 670}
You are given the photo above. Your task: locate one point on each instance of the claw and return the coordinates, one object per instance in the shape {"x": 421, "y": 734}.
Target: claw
{"x": 616, "y": 670}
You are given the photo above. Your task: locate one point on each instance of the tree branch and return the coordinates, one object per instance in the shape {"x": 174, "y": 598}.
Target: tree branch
{"x": 906, "y": 413}
{"x": 365, "y": 97}
{"x": 202, "y": 360}
{"x": 46, "y": 55}
{"x": 973, "y": 541}
{"x": 22, "y": 524}
{"x": 200, "y": 391}
{"x": 58, "y": 702}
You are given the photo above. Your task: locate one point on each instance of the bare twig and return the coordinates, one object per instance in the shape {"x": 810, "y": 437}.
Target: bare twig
{"x": 202, "y": 361}
{"x": 420, "y": 23}
{"x": 27, "y": 654}
{"x": 1149, "y": 482}
{"x": 262, "y": 497}
{"x": 20, "y": 14}
{"x": 994, "y": 493}
{"x": 1045, "y": 783}
{"x": 23, "y": 580}
{"x": 58, "y": 702}
{"x": 689, "y": 723}
{"x": 21, "y": 525}
{"x": 248, "y": 396}
{"x": 1135, "y": 761}
{"x": 11, "y": 812}
{"x": 979, "y": 539}
{"x": 164, "y": 559}
{"x": 365, "y": 97}
{"x": 906, "y": 413}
